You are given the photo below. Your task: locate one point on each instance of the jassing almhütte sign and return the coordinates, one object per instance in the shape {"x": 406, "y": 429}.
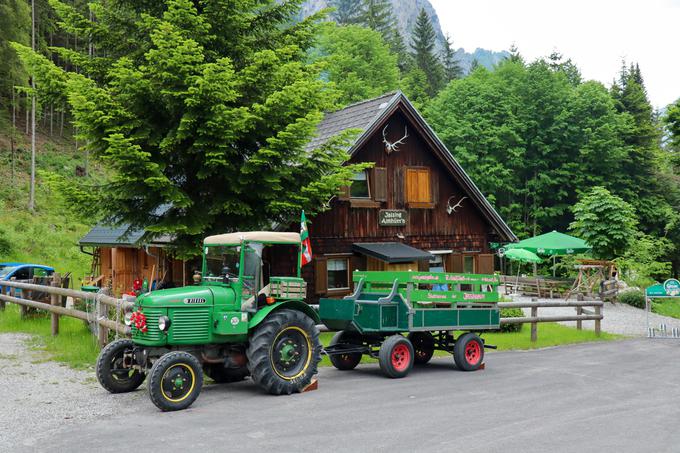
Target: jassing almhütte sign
{"x": 392, "y": 217}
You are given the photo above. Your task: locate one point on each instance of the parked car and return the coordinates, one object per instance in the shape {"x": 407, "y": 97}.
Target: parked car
{"x": 23, "y": 271}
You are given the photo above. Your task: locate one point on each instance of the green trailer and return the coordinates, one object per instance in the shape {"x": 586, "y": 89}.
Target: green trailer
{"x": 428, "y": 306}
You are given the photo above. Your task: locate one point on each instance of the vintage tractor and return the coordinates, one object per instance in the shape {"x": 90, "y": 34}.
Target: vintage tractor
{"x": 228, "y": 326}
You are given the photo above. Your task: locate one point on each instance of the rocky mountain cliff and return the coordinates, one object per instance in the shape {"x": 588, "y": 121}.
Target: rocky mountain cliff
{"x": 406, "y": 12}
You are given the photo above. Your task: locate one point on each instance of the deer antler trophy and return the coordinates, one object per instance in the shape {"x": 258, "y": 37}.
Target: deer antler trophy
{"x": 389, "y": 147}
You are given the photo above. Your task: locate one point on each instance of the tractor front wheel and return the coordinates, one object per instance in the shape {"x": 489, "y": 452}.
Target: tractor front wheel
{"x": 423, "y": 345}
{"x": 396, "y": 356}
{"x": 114, "y": 368}
{"x": 175, "y": 381}
{"x": 350, "y": 360}
{"x": 284, "y": 352}
{"x": 468, "y": 352}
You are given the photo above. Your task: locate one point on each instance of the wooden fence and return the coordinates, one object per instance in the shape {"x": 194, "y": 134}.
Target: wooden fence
{"x": 582, "y": 314}
{"x": 103, "y": 305}
{"x": 536, "y": 286}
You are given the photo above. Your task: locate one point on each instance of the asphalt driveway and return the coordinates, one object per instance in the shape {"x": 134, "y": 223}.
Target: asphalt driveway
{"x": 611, "y": 396}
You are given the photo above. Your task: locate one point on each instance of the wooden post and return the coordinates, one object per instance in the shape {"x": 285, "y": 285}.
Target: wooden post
{"x": 534, "y": 325}
{"x": 54, "y": 301}
{"x": 102, "y": 311}
{"x": 3, "y": 290}
{"x": 598, "y": 312}
{"x": 579, "y": 323}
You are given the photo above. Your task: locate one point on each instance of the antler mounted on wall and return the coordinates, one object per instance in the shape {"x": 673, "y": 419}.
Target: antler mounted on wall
{"x": 389, "y": 147}
{"x": 450, "y": 209}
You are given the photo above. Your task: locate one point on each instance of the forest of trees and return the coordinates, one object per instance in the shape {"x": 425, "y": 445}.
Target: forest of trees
{"x": 205, "y": 106}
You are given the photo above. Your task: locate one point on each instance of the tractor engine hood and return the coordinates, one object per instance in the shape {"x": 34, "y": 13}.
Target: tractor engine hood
{"x": 177, "y": 297}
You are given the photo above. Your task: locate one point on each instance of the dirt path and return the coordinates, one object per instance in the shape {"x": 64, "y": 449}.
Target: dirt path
{"x": 38, "y": 397}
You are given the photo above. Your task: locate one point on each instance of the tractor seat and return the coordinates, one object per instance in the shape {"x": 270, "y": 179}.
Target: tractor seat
{"x": 251, "y": 302}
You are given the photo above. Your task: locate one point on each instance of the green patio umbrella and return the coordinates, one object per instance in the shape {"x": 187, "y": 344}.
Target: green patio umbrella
{"x": 551, "y": 244}
{"x": 522, "y": 256}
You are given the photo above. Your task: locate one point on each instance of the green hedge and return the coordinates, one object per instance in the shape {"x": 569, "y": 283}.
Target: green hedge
{"x": 511, "y": 313}
{"x": 633, "y": 297}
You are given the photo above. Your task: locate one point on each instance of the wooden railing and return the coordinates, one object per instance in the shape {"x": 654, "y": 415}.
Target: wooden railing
{"x": 103, "y": 305}
{"x": 582, "y": 314}
{"x": 536, "y": 286}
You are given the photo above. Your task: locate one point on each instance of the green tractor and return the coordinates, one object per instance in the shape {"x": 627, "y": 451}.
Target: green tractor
{"x": 229, "y": 325}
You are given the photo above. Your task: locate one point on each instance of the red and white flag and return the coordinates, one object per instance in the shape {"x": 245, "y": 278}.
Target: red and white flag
{"x": 306, "y": 243}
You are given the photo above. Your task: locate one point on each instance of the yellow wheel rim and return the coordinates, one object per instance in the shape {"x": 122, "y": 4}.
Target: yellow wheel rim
{"x": 307, "y": 360}
{"x": 166, "y": 375}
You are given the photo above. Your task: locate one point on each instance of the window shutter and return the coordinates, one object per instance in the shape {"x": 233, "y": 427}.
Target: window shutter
{"x": 344, "y": 193}
{"x": 424, "y": 191}
{"x": 379, "y": 184}
{"x": 320, "y": 276}
{"x": 411, "y": 185}
{"x": 485, "y": 263}
{"x": 454, "y": 263}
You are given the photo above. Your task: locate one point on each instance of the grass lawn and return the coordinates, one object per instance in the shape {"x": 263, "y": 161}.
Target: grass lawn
{"x": 667, "y": 307}
{"x": 76, "y": 347}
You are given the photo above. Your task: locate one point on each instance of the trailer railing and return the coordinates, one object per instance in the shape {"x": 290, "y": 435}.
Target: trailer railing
{"x": 105, "y": 312}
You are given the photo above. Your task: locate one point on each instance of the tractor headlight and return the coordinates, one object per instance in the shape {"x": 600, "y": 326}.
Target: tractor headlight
{"x": 128, "y": 318}
{"x": 164, "y": 323}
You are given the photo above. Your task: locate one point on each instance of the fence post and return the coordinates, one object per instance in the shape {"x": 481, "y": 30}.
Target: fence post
{"x": 598, "y": 312}
{"x": 5, "y": 291}
{"x": 103, "y": 331}
{"x": 534, "y": 325}
{"x": 579, "y": 323}
{"x": 54, "y": 301}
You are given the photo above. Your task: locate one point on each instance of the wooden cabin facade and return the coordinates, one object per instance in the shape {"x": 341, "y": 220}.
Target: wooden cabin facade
{"x": 118, "y": 259}
{"x": 415, "y": 209}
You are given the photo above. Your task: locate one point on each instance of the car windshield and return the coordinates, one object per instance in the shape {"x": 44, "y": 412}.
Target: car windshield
{"x": 6, "y": 271}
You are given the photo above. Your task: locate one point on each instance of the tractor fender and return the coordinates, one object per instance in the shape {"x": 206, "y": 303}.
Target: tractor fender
{"x": 290, "y": 304}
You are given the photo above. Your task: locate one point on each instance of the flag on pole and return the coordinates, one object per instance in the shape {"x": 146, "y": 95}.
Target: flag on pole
{"x": 306, "y": 243}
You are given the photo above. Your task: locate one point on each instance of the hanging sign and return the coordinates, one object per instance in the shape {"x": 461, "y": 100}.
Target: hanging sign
{"x": 392, "y": 217}
{"x": 669, "y": 288}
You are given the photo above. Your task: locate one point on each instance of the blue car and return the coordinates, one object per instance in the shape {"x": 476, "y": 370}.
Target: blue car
{"x": 23, "y": 271}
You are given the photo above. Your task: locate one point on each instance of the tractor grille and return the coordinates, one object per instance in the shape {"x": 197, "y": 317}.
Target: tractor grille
{"x": 190, "y": 325}
{"x": 152, "y": 333}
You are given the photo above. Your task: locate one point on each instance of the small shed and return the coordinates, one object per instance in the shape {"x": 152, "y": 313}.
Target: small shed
{"x": 118, "y": 259}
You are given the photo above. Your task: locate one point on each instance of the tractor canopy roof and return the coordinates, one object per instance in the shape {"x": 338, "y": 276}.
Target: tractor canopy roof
{"x": 265, "y": 237}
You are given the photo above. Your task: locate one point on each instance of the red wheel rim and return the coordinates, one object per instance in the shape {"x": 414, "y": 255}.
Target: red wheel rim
{"x": 401, "y": 357}
{"x": 473, "y": 352}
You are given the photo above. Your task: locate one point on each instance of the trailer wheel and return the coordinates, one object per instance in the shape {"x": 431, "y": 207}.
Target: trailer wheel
{"x": 218, "y": 373}
{"x": 396, "y": 356}
{"x": 284, "y": 352}
{"x": 175, "y": 382}
{"x": 111, "y": 373}
{"x": 468, "y": 352}
{"x": 350, "y": 360}
{"x": 423, "y": 346}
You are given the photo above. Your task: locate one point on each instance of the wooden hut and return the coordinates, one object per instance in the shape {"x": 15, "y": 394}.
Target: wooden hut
{"x": 415, "y": 209}
{"x": 118, "y": 259}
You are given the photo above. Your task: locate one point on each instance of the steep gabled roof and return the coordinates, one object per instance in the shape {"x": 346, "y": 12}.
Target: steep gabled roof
{"x": 370, "y": 116}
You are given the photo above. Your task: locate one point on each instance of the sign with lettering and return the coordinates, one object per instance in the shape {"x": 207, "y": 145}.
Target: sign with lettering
{"x": 669, "y": 288}
{"x": 392, "y": 217}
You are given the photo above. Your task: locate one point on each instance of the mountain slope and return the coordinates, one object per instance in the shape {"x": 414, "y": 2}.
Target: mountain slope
{"x": 406, "y": 12}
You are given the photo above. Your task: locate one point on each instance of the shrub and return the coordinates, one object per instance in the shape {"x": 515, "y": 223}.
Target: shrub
{"x": 511, "y": 313}
{"x": 633, "y": 297}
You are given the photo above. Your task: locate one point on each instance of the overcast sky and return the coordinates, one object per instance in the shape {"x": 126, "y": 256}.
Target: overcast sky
{"x": 595, "y": 34}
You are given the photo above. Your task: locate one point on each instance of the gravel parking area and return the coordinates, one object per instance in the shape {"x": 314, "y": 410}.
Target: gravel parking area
{"x": 38, "y": 397}
{"x": 619, "y": 318}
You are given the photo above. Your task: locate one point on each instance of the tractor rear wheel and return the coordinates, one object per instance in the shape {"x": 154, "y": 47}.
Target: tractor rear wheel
{"x": 423, "y": 346}
{"x": 113, "y": 373}
{"x": 284, "y": 352}
{"x": 218, "y": 373}
{"x": 350, "y": 360}
{"x": 396, "y": 356}
{"x": 175, "y": 381}
{"x": 468, "y": 352}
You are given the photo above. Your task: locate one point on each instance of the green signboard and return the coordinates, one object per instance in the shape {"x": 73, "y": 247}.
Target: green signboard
{"x": 669, "y": 288}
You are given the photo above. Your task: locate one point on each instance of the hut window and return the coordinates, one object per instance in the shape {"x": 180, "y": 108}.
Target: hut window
{"x": 338, "y": 273}
{"x": 359, "y": 187}
{"x": 418, "y": 190}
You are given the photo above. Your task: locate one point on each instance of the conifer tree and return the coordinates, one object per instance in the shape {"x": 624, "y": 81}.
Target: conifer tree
{"x": 452, "y": 69}
{"x": 346, "y": 12}
{"x": 424, "y": 56}
{"x": 378, "y": 15}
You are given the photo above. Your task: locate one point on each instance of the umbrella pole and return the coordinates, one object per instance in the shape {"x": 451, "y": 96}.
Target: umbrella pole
{"x": 554, "y": 265}
{"x": 519, "y": 268}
